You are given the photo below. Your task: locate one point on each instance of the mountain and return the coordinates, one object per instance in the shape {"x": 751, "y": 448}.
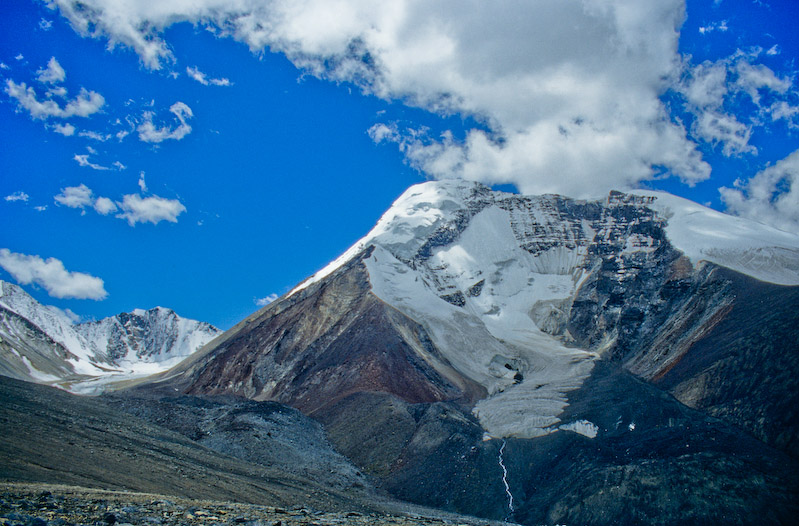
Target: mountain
{"x": 626, "y": 359}
{"x": 42, "y": 344}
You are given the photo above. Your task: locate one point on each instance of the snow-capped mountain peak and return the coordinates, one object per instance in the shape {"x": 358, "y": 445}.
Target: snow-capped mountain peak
{"x": 42, "y": 343}
{"x": 492, "y": 276}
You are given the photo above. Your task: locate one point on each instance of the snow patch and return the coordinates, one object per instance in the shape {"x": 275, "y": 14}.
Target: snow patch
{"x": 581, "y": 427}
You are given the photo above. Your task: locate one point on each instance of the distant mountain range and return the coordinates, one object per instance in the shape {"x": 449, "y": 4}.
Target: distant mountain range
{"x": 42, "y": 344}
{"x": 626, "y": 360}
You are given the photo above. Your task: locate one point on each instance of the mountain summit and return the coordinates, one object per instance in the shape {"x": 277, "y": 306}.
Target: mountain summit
{"x": 484, "y": 342}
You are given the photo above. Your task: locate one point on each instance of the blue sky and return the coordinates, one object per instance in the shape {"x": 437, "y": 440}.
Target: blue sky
{"x": 206, "y": 155}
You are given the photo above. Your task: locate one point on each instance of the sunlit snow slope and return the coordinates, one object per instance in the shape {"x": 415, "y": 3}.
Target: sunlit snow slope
{"x": 492, "y": 277}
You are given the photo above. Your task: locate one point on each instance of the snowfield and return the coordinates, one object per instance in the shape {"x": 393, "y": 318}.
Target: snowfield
{"x": 455, "y": 257}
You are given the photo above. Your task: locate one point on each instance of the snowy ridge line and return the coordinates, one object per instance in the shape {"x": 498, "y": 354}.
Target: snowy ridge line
{"x": 702, "y": 234}
{"x": 758, "y": 250}
{"x": 118, "y": 348}
{"x": 418, "y": 212}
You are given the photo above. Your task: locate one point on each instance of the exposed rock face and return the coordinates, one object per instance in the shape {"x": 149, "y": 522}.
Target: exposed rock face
{"x": 314, "y": 348}
{"x": 42, "y": 344}
{"x": 469, "y": 319}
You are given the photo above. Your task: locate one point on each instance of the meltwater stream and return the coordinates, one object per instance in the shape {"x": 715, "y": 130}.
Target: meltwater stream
{"x": 505, "y": 479}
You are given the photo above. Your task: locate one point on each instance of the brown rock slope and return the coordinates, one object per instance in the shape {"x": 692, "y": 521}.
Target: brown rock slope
{"x": 331, "y": 340}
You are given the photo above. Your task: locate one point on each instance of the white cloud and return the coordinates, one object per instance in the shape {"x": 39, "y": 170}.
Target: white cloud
{"x": 783, "y": 110}
{"x": 153, "y": 209}
{"x": 104, "y": 206}
{"x": 45, "y": 25}
{"x": 754, "y": 78}
{"x": 51, "y": 274}
{"x": 569, "y": 90}
{"x": 148, "y": 132}
{"x": 40, "y": 208}
{"x": 83, "y": 160}
{"x": 18, "y": 196}
{"x": 261, "y": 302}
{"x": 724, "y": 129}
{"x": 134, "y": 208}
{"x": 53, "y": 73}
{"x": 85, "y": 104}
{"x": 67, "y": 129}
{"x": 56, "y": 91}
{"x": 715, "y": 26}
{"x": 771, "y": 196}
{"x": 142, "y": 183}
{"x": 710, "y": 88}
{"x": 774, "y": 50}
{"x": 3, "y": 65}
{"x": 203, "y": 79}
{"x": 119, "y": 166}
{"x": 75, "y": 196}
{"x": 95, "y": 136}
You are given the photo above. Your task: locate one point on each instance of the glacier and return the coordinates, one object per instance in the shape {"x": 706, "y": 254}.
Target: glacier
{"x": 491, "y": 276}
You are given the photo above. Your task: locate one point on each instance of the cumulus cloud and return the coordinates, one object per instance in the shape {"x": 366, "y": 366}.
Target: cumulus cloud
{"x": 142, "y": 183}
{"x": 715, "y": 26}
{"x": 712, "y": 92}
{"x": 261, "y": 302}
{"x": 85, "y": 104}
{"x": 66, "y": 130}
{"x": 771, "y": 196}
{"x": 52, "y": 276}
{"x": 104, "y": 206}
{"x": 203, "y": 79}
{"x": 153, "y": 209}
{"x": 133, "y": 208}
{"x": 148, "y": 132}
{"x": 95, "y": 136}
{"x": 75, "y": 196}
{"x": 18, "y": 196}
{"x": 567, "y": 92}
{"x": 53, "y": 73}
{"x": 82, "y": 197}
